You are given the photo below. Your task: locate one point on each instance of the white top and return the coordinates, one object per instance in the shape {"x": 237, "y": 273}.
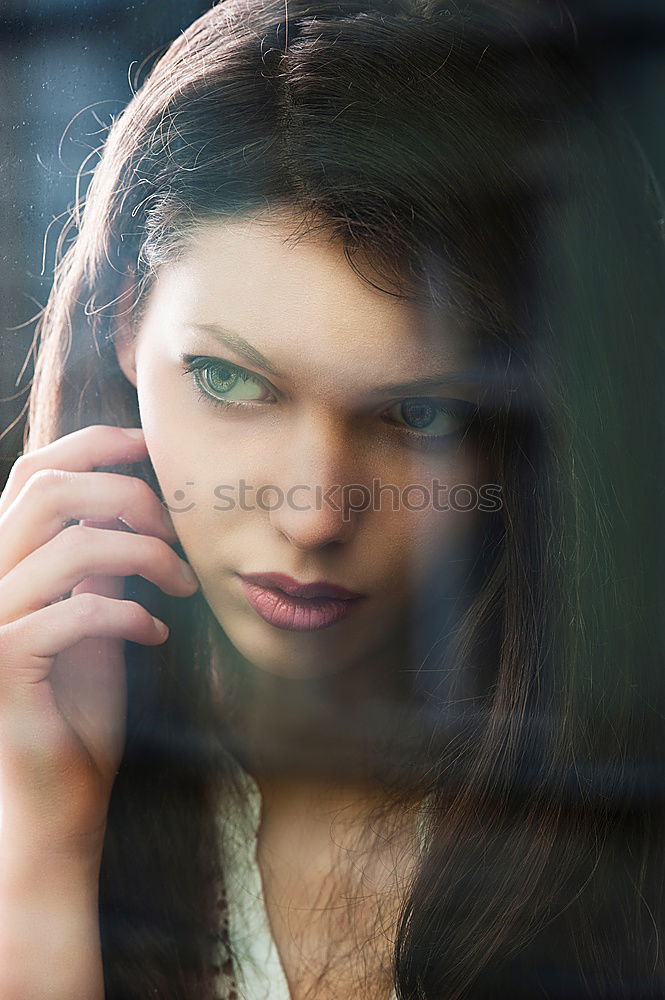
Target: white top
{"x": 261, "y": 975}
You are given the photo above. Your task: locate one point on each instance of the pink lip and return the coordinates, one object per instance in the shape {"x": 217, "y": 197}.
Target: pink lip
{"x": 281, "y": 581}
{"x": 297, "y": 612}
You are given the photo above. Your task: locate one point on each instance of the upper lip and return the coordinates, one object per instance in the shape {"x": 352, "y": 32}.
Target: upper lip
{"x": 320, "y": 588}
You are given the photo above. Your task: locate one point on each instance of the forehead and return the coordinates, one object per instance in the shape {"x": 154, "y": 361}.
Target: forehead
{"x": 251, "y": 276}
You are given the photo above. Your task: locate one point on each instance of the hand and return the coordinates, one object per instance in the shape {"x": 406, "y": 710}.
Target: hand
{"x": 62, "y": 630}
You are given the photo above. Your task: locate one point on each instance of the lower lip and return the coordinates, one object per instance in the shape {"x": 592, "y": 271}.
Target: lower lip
{"x": 297, "y": 614}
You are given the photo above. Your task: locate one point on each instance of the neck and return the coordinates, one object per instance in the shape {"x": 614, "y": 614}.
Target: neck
{"x": 337, "y": 727}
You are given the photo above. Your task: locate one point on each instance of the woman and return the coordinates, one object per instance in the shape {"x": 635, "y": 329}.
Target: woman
{"x": 333, "y": 270}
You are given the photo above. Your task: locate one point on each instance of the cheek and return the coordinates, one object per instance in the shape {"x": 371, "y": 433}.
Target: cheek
{"x": 195, "y": 451}
{"x": 436, "y": 531}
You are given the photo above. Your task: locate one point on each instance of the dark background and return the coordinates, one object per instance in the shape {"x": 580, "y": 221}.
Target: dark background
{"x": 65, "y": 70}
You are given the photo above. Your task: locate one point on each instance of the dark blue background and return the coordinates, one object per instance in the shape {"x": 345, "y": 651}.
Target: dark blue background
{"x": 58, "y": 58}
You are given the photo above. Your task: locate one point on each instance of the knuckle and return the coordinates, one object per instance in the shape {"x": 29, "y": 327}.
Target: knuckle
{"x": 94, "y": 430}
{"x": 75, "y": 536}
{"x": 41, "y": 479}
{"x": 86, "y": 607}
{"x": 154, "y": 548}
{"x": 146, "y": 552}
{"x": 24, "y": 463}
{"x": 133, "y": 612}
{"x": 139, "y": 489}
{"x": 75, "y": 543}
{"x": 21, "y": 469}
{"x": 163, "y": 554}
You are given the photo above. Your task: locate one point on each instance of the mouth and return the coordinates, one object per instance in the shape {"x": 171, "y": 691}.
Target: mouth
{"x": 294, "y": 588}
{"x": 297, "y": 607}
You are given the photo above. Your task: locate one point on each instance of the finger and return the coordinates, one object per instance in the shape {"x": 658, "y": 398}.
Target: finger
{"x": 31, "y": 643}
{"x": 50, "y": 498}
{"x": 80, "y": 451}
{"x": 79, "y": 552}
{"x": 106, "y": 586}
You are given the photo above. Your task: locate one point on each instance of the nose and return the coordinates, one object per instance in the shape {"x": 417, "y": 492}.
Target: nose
{"x": 316, "y": 508}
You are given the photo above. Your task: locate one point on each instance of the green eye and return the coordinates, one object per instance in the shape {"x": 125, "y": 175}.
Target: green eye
{"x": 225, "y": 383}
{"x": 424, "y": 423}
{"x": 231, "y": 383}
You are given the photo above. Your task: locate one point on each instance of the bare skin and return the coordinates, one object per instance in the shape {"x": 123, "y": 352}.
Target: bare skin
{"x": 332, "y": 900}
{"x": 330, "y": 418}
{"x": 317, "y": 355}
{"x": 63, "y": 693}
{"x": 320, "y": 354}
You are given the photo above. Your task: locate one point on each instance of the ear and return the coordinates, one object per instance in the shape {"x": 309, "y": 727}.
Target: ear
{"x": 125, "y": 337}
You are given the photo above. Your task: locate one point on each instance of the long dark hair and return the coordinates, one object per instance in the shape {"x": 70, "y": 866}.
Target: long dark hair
{"x": 470, "y": 162}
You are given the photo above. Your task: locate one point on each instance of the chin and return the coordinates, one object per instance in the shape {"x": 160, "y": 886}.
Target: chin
{"x": 296, "y": 670}
{"x": 283, "y": 653}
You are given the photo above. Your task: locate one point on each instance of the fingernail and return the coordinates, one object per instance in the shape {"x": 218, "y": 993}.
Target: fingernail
{"x": 188, "y": 574}
{"x": 135, "y": 433}
{"x": 162, "y": 629}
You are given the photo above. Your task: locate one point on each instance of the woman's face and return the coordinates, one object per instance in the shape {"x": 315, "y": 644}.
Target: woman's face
{"x": 318, "y": 434}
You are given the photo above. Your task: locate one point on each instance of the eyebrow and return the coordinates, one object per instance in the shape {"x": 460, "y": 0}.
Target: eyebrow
{"x": 239, "y": 345}
{"x": 242, "y": 347}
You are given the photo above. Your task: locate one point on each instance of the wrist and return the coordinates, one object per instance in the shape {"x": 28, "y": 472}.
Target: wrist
{"x": 49, "y": 927}
{"x": 29, "y": 867}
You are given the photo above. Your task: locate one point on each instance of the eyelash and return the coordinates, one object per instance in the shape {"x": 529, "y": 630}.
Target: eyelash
{"x": 461, "y": 409}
